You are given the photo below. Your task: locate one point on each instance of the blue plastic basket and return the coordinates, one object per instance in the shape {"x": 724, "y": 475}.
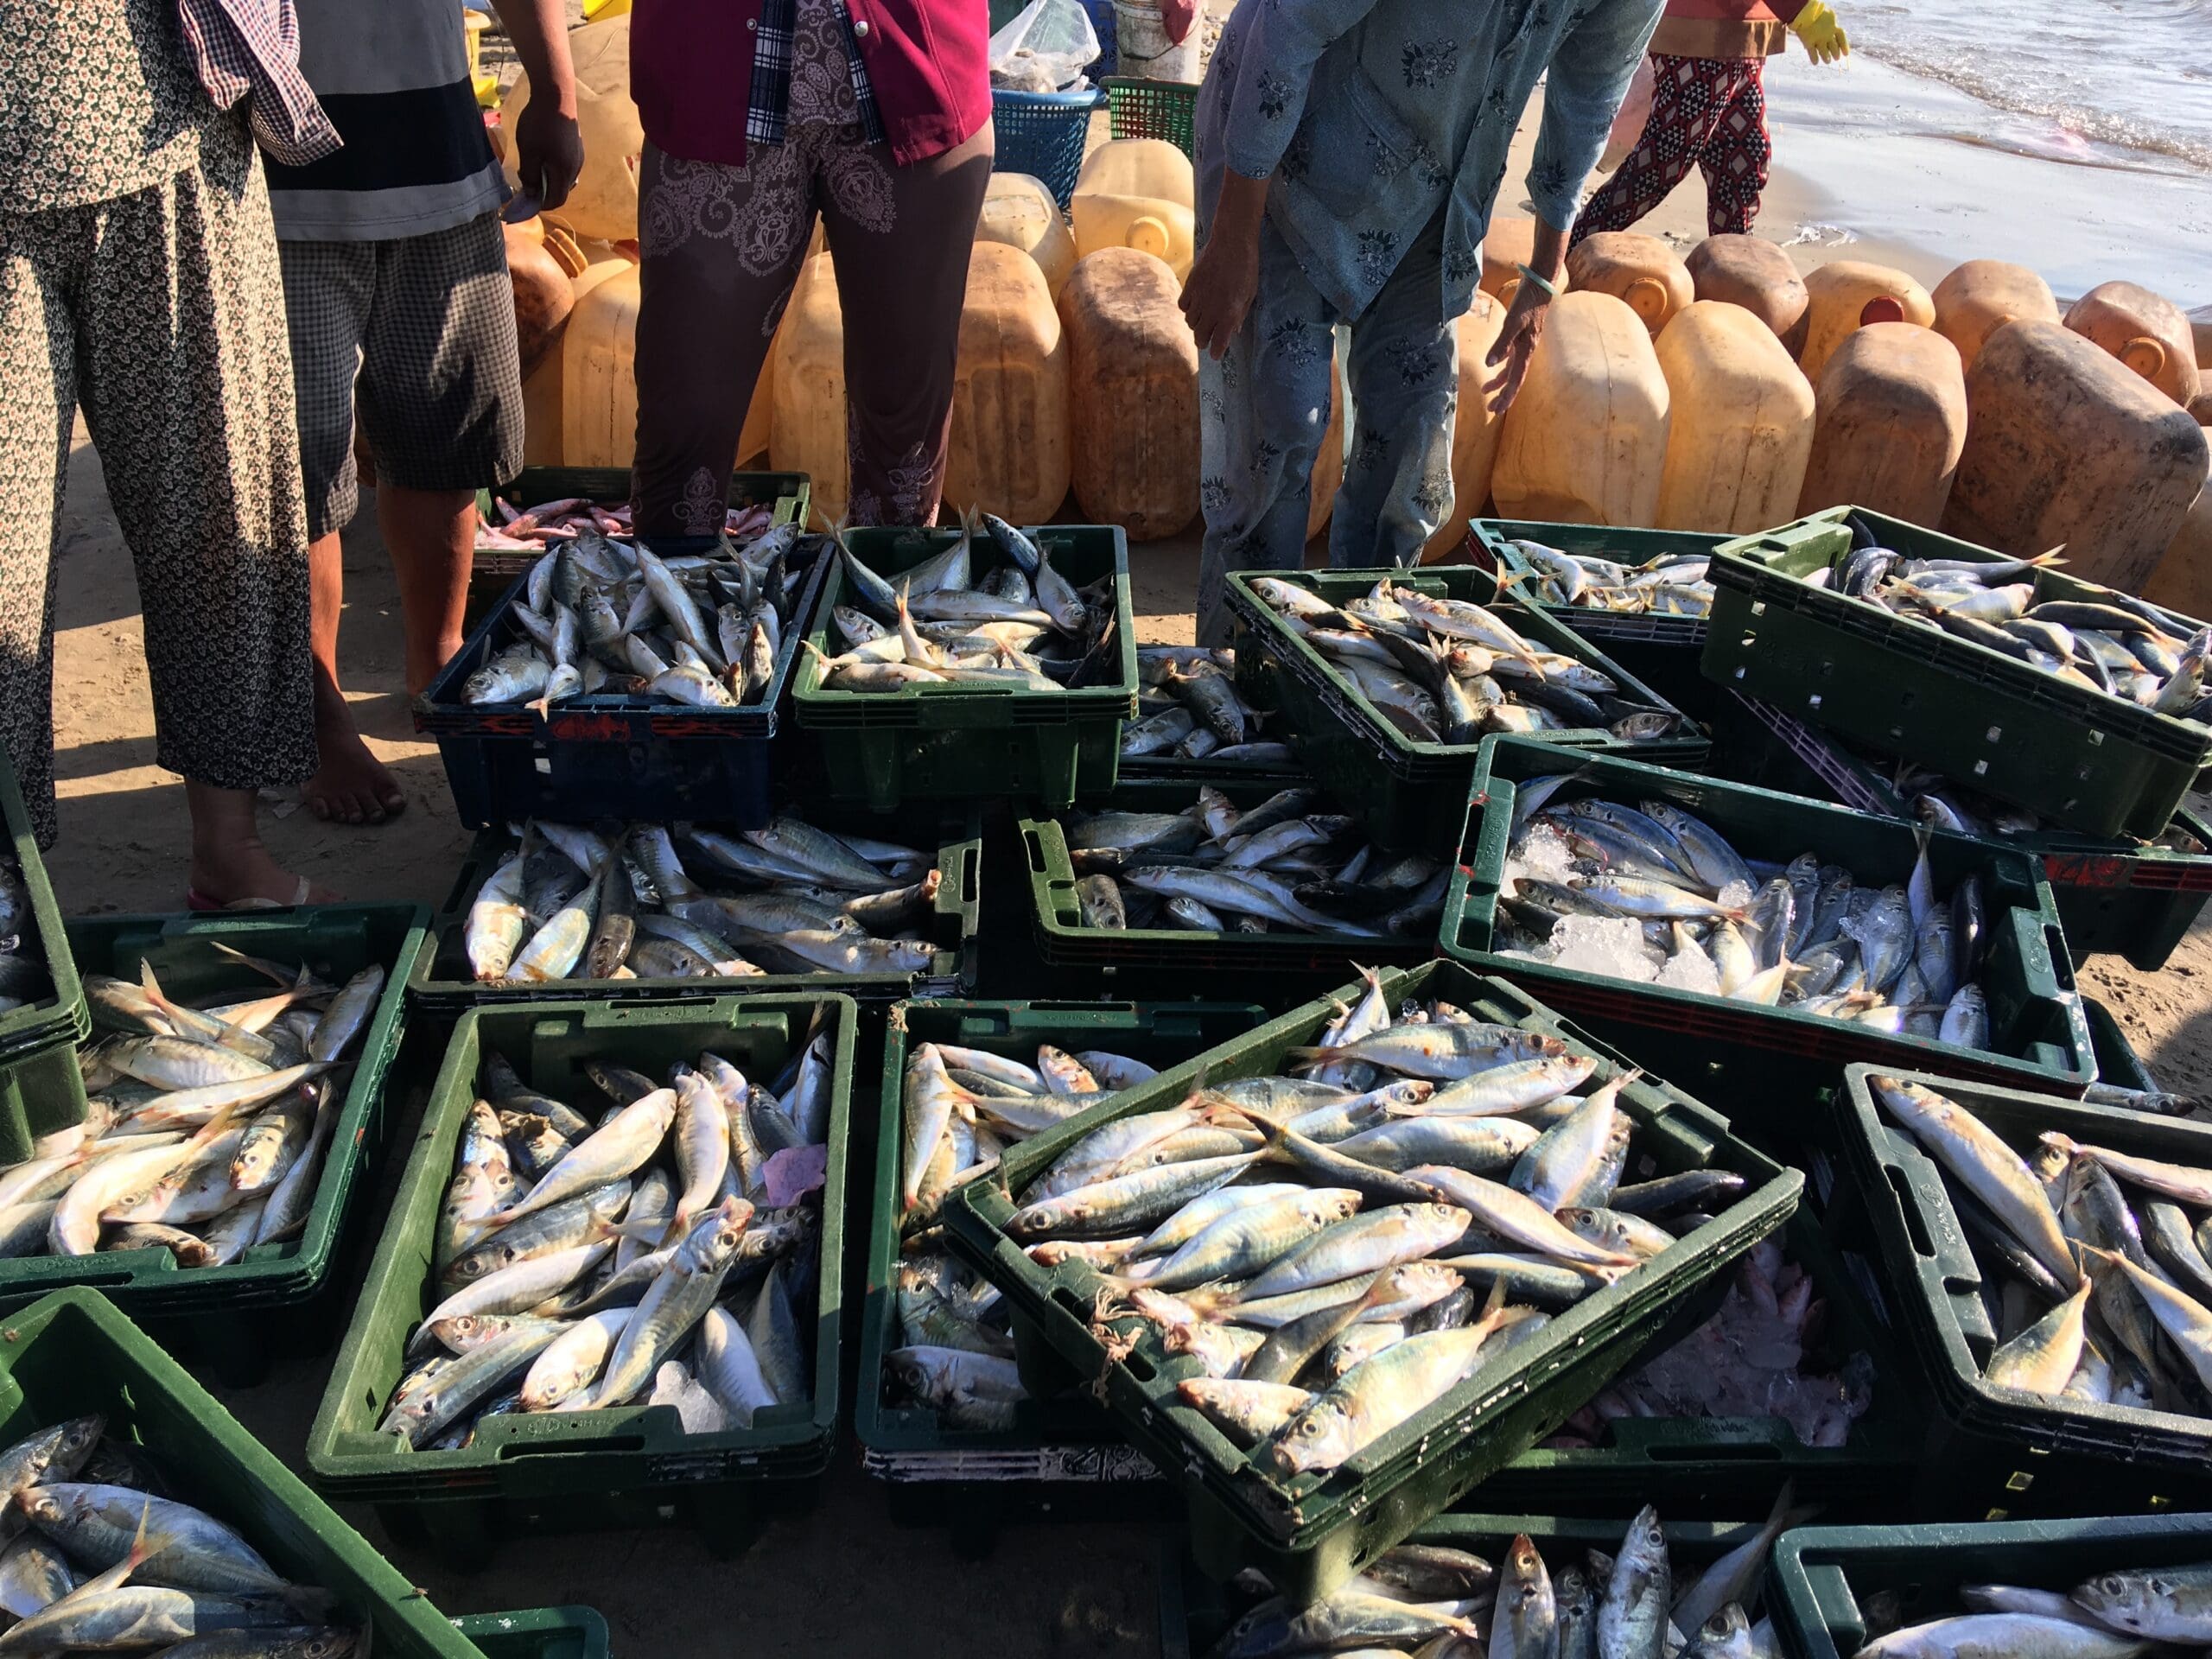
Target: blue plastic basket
{"x": 1042, "y": 134}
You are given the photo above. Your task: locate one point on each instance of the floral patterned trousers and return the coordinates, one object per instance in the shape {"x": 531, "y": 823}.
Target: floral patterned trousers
{"x": 721, "y": 250}
{"x": 1709, "y": 114}
{"x": 1263, "y": 410}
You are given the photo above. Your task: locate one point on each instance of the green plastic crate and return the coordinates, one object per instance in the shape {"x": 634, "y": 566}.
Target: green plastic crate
{"x": 1599, "y": 541}
{"x": 1196, "y": 1614}
{"x": 1821, "y": 1578}
{"x": 1140, "y": 108}
{"x": 1714, "y": 1467}
{"x": 2091, "y": 762}
{"x": 73, "y": 1352}
{"x": 232, "y": 1315}
{"x": 1407, "y": 792}
{"x": 2118, "y": 1063}
{"x": 1158, "y": 961}
{"x": 1310, "y": 1534}
{"x": 2134, "y": 898}
{"x": 1063, "y": 1457}
{"x": 791, "y": 492}
{"x": 443, "y": 983}
{"x": 2035, "y": 1013}
{"x": 2003, "y": 1452}
{"x": 962, "y": 743}
{"x": 540, "y": 1633}
{"x": 630, "y": 1466}
{"x": 40, "y": 1089}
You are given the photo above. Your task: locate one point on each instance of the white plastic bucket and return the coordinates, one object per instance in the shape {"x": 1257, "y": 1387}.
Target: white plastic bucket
{"x": 1145, "y": 51}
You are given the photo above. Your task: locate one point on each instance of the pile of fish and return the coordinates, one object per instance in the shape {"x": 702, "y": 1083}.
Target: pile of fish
{"x": 963, "y": 1108}
{"x": 1340, "y": 1246}
{"x": 1287, "y": 864}
{"x": 2116, "y": 644}
{"x": 1653, "y": 894}
{"x": 2117, "y": 1614}
{"x": 511, "y": 528}
{"x": 1445, "y": 671}
{"x": 605, "y": 618}
{"x": 988, "y": 610}
{"x": 621, "y": 902}
{"x": 1748, "y": 1360}
{"x": 2094, "y": 1259}
{"x": 23, "y": 978}
{"x": 1188, "y": 709}
{"x": 1942, "y": 804}
{"x": 1670, "y": 584}
{"x": 1434, "y": 1600}
{"x": 102, "y": 1559}
{"x": 205, "y": 1129}
{"x": 659, "y": 1245}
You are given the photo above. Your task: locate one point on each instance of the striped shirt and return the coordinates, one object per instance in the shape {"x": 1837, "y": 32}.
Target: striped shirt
{"x": 393, "y": 77}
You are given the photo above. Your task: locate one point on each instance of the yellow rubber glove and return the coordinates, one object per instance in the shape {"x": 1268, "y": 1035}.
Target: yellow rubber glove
{"x": 1817, "y": 25}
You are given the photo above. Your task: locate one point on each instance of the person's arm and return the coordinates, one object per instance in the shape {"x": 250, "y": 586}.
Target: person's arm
{"x": 549, "y": 145}
{"x": 1273, "y": 73}
{"x": 1589, "y": 76}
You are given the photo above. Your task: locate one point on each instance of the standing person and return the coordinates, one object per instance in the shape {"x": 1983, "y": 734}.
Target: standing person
{"x": 396, "y": 284}
{"x": 759, "y": 114}
{"x": 1349, "y": 154}
{"x": 139, "y": 284}
{"x": 1708, "y": 108}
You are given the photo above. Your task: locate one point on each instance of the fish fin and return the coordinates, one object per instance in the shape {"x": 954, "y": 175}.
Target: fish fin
{"x": 2048, "y": 561}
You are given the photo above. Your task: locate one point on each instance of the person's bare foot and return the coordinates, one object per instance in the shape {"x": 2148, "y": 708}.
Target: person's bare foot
{"x": 242, "y": 870}
{"x": 351, "y": 785}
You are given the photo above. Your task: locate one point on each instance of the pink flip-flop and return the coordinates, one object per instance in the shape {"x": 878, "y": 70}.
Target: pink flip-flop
{"x": 194, "y": 900}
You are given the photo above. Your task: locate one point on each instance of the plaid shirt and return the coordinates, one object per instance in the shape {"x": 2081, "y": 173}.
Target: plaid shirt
{"x": 250, "y": 48}
{"x": 771, "y": 75}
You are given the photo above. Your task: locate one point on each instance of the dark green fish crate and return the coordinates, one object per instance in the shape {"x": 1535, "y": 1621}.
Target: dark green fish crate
{"x": 2135, "y": 898}
{"x": 1064, "y": 1457}
{"x": 659, "y": 760}
{"x": 1408, "y": 790}
{"x": 1833, "y": 1589}
{"x": 539, "y": 1633}
{"x": 40, "y": 1089}
{"x": 1310, "y": 1535}
{"x": 1196, "y": 1613}
{"x": 2094, "y": 762}
{"x": 584, "y": 1471}
{"x": 972, "y": 742}
{"x": 232, "y": 1316}
{"x": 1724, "y": 1466}
{"x": 2039, "y": 1034}
{"x": 2003, "y": 1452}
{"x": 73, "y": 1352}
{"x": 443, "y": 984}
{"x": 1629, "y": 547}
{"x": 1179, "y": 961}
{"x": 2118, "y": 1063}
{"x": 789, "y": 494}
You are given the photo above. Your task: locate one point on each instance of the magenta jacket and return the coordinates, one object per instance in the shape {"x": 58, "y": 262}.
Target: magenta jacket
{"x": 692, "y": 72}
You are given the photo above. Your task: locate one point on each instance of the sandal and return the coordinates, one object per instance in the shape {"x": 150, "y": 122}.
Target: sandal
{"x": 194, "y": 900}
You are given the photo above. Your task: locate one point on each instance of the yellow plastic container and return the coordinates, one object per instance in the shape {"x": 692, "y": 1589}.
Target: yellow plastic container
{"x": 806, "y": 431}
{"x": 1586, "y": 442}
{"x": 486, "y": 87}
{"x": 1010, "y": 419}
{"x": 1641, "y": 270}
{"x": 1019, "y": 211}
{"x": 2147, "y": 331}
{"x": 2183, "y": 581}
{"x": 1981, "y": 296}
{"x": 1138, "y": 167}
{"x": 1848, "y": 294}
{"x": 1133, "y": 373}
{"x": 604, "y": 203}
{"x": 1474, "y": 430}
{"x": 1509, "y": 244}
{"x": 1754, "y": 273}
{"x": 1892, "y": 419}
{"x": 1740, "y": 422}
{"x": 1136, "y": 193}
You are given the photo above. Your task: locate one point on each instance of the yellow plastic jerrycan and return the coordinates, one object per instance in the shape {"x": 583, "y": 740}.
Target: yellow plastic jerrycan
{"x": 1639, "y": 269}
{"x": 1019, "y": 211}
{"x": 1474, "y": 430}
{"x": 806, "y": 429}
{"x": 1136, "y": 193}
{"x": 1981, "y": 296}
{"x": 1010, "y": 420}
{"x": 1892, "y": 419}
{"x": 1741, "y": 425}
{"x": 1585, "y": 442}
{"x": 1133, "y": 372}
{"x": 1754, "y": 273}
{"x": 1508, "y": 244}
{"x": 2183, "y": 581}
{"x": 1849, "y": 293}
{"x": 2147, "y": 331}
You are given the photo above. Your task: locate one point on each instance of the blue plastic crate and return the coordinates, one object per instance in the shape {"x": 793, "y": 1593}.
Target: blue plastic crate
{"x": 1043, "y": 134}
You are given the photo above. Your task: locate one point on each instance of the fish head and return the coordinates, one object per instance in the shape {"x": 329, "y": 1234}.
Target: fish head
{"x": 44, "y": 1507}
{"x": 334, "y": 1644}
{"x": 1524, "y": 1567}
{"x": 2127, "y": 1601}
{"x": 1320, "y": 1438}
{"x": 1724, "y": 1626}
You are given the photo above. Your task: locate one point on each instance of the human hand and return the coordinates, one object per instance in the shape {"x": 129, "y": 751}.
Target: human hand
{"x": 1217, "y": 295}
{"x": 548, "y": 151}
{"x": 1517, "y": 344}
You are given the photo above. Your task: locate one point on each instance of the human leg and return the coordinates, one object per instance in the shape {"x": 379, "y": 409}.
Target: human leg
{"x": 1734, "y": 161}
{"x": 1404, "y": 376}
{"x": 722, "y": 247}
{"x": 1685, "y": 104}
{"x": 902, "y": 260}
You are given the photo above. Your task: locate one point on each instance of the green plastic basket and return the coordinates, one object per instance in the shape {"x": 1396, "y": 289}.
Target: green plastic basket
{"x": 539, "y": 1633}
{"x": 2095, "y": 763}
{"x": 232, "y": 1316}
{"x": 1311, "y": 1534}
{"x": 971, "y": 742}
{"x": 73, "y": 1352}
{"x": 1603, "y": 541}
{"x": 2035, "y": 1013}
{"x": 40, "y": 1089}
{"x": 443, "y": 984}
{"x": 1137, "y": 108}
{"x": 1062, "y": 1458}
{"x": 1822, "y": 1580}
{"x": 1406, "y": 790}
{"x": 2002, "y": 1453}
{"x": 630, "y": 1466}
